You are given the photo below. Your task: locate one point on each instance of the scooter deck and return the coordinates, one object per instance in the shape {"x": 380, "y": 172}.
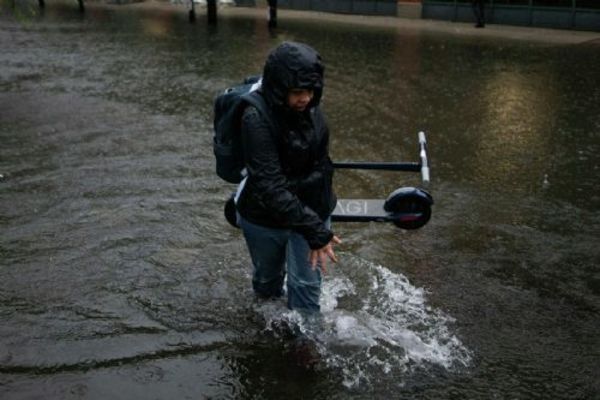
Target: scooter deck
{"x": 364, "y": 210}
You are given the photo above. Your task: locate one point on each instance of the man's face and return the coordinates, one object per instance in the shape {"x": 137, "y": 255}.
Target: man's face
{"x": 298, "y": 99}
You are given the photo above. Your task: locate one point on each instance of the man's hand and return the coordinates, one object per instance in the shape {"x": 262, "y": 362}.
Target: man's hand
{"x": 318, "y": 258}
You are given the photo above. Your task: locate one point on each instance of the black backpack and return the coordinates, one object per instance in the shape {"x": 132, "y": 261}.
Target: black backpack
{"x": 227, "y": 140}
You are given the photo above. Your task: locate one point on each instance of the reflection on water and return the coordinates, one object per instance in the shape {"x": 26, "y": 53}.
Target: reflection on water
{"x": 514, "y": 128}
{"x": 119, "y": 278}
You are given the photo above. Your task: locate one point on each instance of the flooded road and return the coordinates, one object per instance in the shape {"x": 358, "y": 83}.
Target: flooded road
{"x": 120, "y": 278}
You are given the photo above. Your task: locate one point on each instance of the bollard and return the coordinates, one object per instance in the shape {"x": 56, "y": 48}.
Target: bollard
{"x": 272, "y": 13}
{"x": 42, "y": 4}
{"x": 211, "y": 11}
{"x": 81, "y": 6}
{"x": 192, "y": 13}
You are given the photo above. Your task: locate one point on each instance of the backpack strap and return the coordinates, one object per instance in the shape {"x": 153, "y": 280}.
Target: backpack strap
{"x": 257, "y": 101}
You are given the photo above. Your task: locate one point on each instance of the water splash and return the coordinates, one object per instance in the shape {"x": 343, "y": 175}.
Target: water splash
{"x": 373, "y": 322}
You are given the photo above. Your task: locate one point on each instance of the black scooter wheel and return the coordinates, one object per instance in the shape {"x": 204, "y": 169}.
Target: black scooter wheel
{"x": 230, "y": 211}
{"x": 410, "y": 207}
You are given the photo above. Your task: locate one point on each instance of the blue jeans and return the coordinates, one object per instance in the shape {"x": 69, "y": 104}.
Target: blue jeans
{"x": 271, "y": 249}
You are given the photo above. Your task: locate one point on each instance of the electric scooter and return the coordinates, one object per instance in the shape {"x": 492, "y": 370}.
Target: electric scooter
{"x": 406, "y": 207}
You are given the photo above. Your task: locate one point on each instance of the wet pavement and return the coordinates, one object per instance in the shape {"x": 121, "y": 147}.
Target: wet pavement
{"x": 120, "y": 278}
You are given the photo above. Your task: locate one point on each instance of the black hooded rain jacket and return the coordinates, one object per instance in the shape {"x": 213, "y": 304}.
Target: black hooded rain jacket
{"x": 290, "y": 173}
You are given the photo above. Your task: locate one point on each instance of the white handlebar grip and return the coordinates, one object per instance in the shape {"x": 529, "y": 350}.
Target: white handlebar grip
{"x": 422, "y": 137}
{"x": 425, "y": 174}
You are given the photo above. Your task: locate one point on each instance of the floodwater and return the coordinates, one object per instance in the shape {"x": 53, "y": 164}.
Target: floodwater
{"x": 120, "y": 279}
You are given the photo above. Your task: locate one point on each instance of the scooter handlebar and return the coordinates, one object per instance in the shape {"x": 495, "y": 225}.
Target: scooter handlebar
{"x": 422, "y": 165}
{"x": 423, "y": 157}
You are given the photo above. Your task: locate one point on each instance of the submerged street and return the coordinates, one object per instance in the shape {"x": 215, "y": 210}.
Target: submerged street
{"x": 120, "y": 278}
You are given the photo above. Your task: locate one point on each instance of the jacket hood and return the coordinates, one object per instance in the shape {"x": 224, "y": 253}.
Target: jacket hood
{"x": 289, "y": 66}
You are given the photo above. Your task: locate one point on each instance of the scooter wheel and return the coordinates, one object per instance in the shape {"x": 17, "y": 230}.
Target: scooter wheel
{"x": 410, "y": 207}
{"x": 231, "y": 212}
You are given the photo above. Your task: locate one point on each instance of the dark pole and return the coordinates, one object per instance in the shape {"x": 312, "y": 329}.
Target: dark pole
{"x": 42, "y": 4}
{"x": 272, "y": 13}
{"x": 81, "y": 6}
{"x": 383, "y": 166}
{"x": 192, "y": 14}
{"x": 212, "y": 11}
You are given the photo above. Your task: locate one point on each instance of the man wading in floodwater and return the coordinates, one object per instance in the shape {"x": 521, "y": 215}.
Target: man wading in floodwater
{"x": 287, "y": 199}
